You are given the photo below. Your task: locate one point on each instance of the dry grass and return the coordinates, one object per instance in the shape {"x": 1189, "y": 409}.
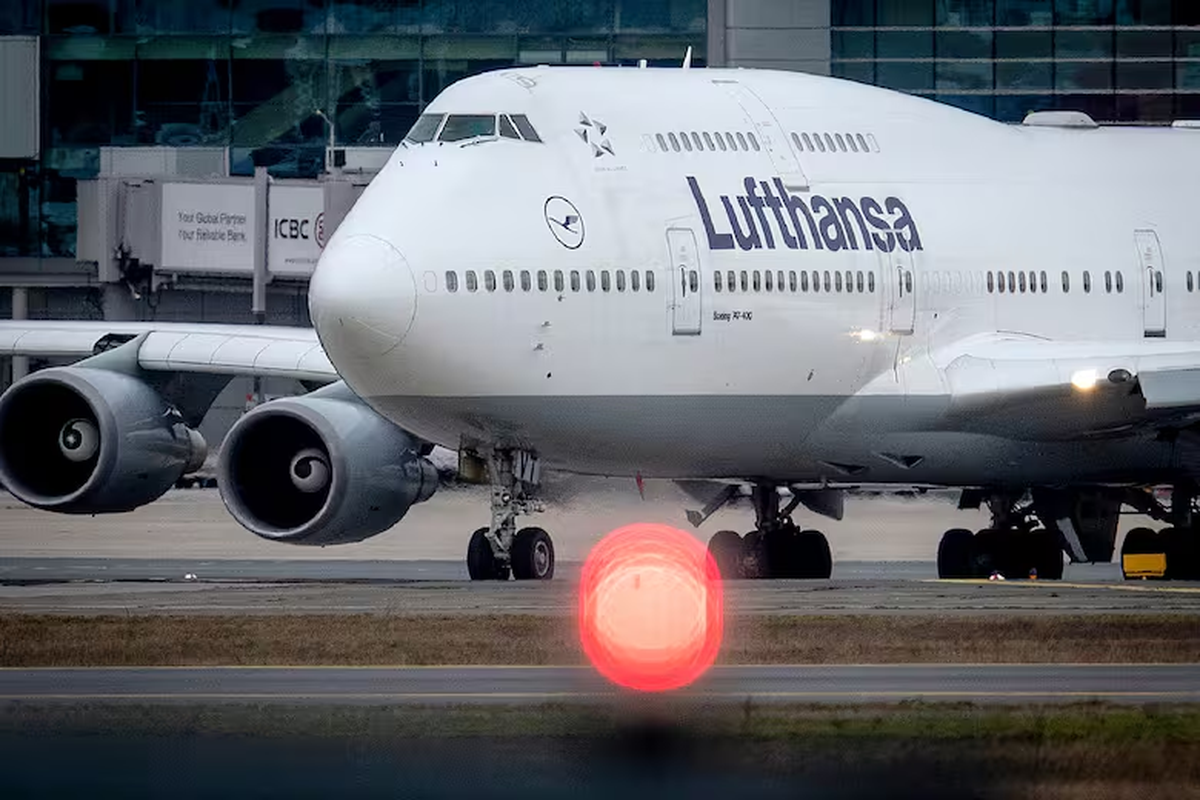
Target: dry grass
{"x": 28, "y": 640}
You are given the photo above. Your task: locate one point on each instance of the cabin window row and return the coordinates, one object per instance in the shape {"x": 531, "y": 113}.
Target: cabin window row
{"x": 705, "y": 141}
{"x": 1010, "y": 282}
{"x": 835, "y": 142}
{"x": 768, "y": 281}
{"x": 577, "y": 279}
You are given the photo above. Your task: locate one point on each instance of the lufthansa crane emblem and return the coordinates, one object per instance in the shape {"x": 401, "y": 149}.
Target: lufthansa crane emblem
{"x": 564, "y": 221}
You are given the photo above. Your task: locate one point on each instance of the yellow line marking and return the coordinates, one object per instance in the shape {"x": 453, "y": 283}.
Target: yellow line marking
{"x": 1120, "y": 587}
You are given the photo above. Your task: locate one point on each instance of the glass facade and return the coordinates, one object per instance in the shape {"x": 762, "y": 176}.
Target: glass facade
{"x": 1131, "y": 61}
{"x": 252, "y": 75}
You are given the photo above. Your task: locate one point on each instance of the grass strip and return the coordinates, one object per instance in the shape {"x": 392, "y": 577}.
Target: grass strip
{"x": 161, "y": 640}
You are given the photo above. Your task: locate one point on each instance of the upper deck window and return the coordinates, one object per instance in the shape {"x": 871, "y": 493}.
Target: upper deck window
{"x": 425, "y": 128}
{"x": 467, "y": 126}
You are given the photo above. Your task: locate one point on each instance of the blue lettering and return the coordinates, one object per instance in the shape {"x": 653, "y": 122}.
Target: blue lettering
{"x": 716, "y": 241}
{"x": 847, "y": 208}
{"x": 776, "y": 206}
{"x": 757, "y": 204}
{"x": 795, "y": 204}
{"x": 903, "y": 222}
{"x": 746, "y": 241}
{"x": 829, "y": 224}
{"x": 873, "y": 212}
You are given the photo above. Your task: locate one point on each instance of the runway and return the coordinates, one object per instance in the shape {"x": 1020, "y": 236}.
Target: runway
{"x": 487, "y": 684}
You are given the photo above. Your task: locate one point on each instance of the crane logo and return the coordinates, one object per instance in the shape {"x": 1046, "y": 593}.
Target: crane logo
{"x": 564, "y": 221}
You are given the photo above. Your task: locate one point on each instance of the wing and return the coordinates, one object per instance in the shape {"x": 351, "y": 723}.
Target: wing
{"x": 262, "y": 350}
{"x": 1040, "y": 389}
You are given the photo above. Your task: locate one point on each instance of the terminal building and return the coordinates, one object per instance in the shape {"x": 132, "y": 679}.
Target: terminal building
{"x": 113, "y": 110}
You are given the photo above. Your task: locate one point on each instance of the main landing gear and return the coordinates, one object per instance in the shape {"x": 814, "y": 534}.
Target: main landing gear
{"x": 776, "y": 548}
{"x": 1172, "y": 553}
{"x": 1015, "y": 545}
{"x": 498, "y": 551}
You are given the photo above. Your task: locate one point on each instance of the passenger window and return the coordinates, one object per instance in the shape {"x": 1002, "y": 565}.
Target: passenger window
{"x": 862, "y": 143}
{"x": 829, "y": 142}
{"x": 1045, "y": 283}
{"x": 635, "y": 280}
{"x": 674, "y": 141}
{"x": 717, "y": 280}
{"x": 841, "y": 143}
{"x": 796, "y": 141}
{"x": 729, "y": 280}
{"x": 1108, "y": 281}
{"x": 720, "y": 141}
{"x": 768, "y": 283}
{"x": 871, "y": 282}
{"x": 991, "y": 283}
{"x": 1032, "y": 281}
{"x": 850, "y": 141}
{"x": 753, "y": 141}
{"x": 1158, "y": 281}
{"x": 745, "y": 282}
{"x": 1087, "y": 281}
{"x": 820, "y": 144}
{"x": 452, "y": 281}
{"x": 1000, "y": 276}
{"x": 662, "y": 142}
{"x": 559, "y": 285}
{"x": 694, "y": 282}
{"x": 849, "y": 281}
{"x": 1066, "y": 280}
{"x": 859, "y": 281}
{"x": 1012, "y": 283}
{"x": 779, "y": 281}
{"x": 837, "y": 281}
{"x": 526, "y": 129}
{"x": 508, "y": 280}
{"x": 489, "y": 280}
{"x": 741, "y": 141}
{"x": 574, "y": 280}
{"x": 808, "y": 145}
{"x": 828, "y": 284}
{"x": 732, "y": 143}
{"x": 605, "y": 281}
{"x": 472, "y": 281}
{"x": 757, "y": 276}
{"x": 1191, "y": 282}
{"x": 804, "y": 281}
{"x": 591, "y": 280}
{"x": 687, "y": 143}
{"x": 696, "y": 140}
{"x": 543, "y": 284}
{"x": 908, "y": 281}
{"x": 1120, "y": 282}
{"x": 620, "y": 280}
{"x": 506, "y": 128}
{"x": 874, "y": 142}
{"x": 816, "y": 281}
{"x": 526, "y": 280}
{"x": 708, "y": 142}
{"x": 792, "y": 280}
{"x": 649, "y": 281}
{"x": 1022, "y": 282}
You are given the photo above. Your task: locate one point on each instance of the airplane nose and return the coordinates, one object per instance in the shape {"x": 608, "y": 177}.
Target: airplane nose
{"x": 362, "y": 297}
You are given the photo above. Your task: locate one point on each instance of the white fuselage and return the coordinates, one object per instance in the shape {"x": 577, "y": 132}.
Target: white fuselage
{"x": 916, "y": 219}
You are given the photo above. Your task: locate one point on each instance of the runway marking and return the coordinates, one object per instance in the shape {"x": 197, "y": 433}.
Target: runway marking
{"x": 1121, "y": 587}
{"x": 783, "y": 695}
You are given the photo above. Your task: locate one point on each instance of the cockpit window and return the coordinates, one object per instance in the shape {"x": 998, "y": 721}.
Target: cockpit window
{"x": 425, "y": 128}
{"x": 506, "y": 128}
{"x": 526, "y": 129}
{"x": 467, "y": 126}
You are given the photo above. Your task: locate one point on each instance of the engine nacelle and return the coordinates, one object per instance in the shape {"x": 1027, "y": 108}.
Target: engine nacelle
{"x": 80, "y": 440}
{"x": 321, "y": 469}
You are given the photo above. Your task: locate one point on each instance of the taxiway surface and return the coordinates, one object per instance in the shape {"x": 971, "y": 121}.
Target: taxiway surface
{"x": 452, "y": 684}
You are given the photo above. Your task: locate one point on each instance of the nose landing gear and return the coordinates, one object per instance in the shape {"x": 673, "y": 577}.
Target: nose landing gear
{"x": 496, "y": 552}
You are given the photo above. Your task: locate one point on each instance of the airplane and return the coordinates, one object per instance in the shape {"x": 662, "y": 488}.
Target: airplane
{"x": 729, "y": 278}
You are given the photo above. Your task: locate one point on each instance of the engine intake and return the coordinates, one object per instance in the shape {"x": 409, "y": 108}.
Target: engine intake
{"x": 321, "y": 469}
{"x": 90, "y": 441}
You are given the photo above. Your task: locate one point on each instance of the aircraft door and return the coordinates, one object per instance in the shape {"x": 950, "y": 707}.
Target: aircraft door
{"x": 770, "y": 134}
{"x": 900, "y": 283}
{"x": 686, "y": 282}
{"x": 1154, "y": 302}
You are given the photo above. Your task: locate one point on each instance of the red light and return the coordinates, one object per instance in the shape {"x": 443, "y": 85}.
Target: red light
{"x": 651, "y": 609}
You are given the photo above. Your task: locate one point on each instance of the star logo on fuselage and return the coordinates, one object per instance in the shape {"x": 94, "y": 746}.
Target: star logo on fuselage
{"x": 593, "y": 133}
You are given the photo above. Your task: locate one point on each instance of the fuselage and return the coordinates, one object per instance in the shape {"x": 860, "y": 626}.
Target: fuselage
{"x": 803, "y": 248}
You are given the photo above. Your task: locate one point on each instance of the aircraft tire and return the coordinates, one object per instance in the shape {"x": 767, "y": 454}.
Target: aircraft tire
{"x": 725, "y": 547}
{"x": 988, "y": 552}
{"x": 955, "y": 553}
{"x": 1183, "y": 553}
{"x": 1140, "y": 540}
{"x": 1047, "y": 555}
{"x": 816, "y": 559}
{"x": 532, "y": 555}
{"x": 481, "y": 562}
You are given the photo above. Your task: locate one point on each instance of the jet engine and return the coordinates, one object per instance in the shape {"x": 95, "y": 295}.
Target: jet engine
{"x": 80, "y": 440}
{"x": 321, "y": 469}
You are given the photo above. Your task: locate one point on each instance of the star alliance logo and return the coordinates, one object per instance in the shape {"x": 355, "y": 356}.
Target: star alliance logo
{"x": 593, "y": 131}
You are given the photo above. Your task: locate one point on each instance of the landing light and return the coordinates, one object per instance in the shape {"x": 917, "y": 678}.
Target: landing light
{"x": 1085, "y": 379}
{"x": 650, "y": 608}
{"x": 867, "y": 335}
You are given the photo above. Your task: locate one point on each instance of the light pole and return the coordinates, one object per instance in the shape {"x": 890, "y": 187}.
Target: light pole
{"x": 332, "y": 132}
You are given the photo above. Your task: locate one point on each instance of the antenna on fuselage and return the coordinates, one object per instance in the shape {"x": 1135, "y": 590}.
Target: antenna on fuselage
{"x": 687, "y": 58}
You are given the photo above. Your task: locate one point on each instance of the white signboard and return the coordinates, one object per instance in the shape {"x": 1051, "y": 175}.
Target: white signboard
{"x": 208, "y": 227}
{"x": 297, "y": 233}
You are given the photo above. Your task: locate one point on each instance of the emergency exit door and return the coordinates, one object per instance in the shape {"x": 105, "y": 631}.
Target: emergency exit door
{"x": 899, "y": 282}
{"x": 770, "y": 134}
{"x": 686, "y": 285}
{"x": 1154, "y": 302}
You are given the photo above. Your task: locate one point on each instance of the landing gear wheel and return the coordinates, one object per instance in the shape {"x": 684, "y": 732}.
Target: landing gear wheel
{"x": 955, "y": 555}
{"x": 1047, "y": 555}
{"x": 817, "y": 559}
{"x": 726, "y": 549}
{"x": 1182, "y": 547}
{"x": 481, "y": 562}
{"x": 786, "y": 558}
{"x": 1137, "y": 542}
{"x": 988, "y": 553}
{"x": 532, "y": 555}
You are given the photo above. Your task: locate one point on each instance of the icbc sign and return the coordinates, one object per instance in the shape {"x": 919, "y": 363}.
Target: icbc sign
{"x": 297, "y": 228}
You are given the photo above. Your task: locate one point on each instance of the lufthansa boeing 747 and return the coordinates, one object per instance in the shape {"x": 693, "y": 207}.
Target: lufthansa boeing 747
{"x": 728, "y": 278}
